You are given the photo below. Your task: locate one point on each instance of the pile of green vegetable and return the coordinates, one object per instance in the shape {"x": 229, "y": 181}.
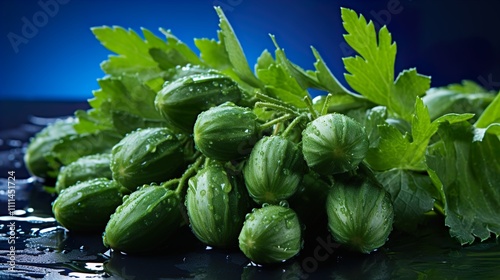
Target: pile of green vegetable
{"x": 247, "y": 158}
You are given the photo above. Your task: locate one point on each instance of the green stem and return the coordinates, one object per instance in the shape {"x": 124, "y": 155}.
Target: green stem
{"x": 294, "y": 123}
{"x": 270, "y": 99}
{"x": 276, "y": 107}
{"x": 324, "y": 109}
{"x": 439, "y": 208}
{"x": 275, "y": 121}
{"x": 277, "y": 129}
{"x": 191, "y": 171}
{"x": 170, "y": 183}
{"x": 309, "y": 104}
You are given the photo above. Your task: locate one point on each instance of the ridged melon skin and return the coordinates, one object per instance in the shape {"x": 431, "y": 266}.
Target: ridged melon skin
{"x": 87, "y": 206}
{"x": 145, "y": 221}
{"x": 271, "y": 234}
{"x": 84, "y": 168}
{"x": 273, "y": 170}
{"x": 226, "y": 132}
{"x": 181, "y": 100}
{"x": 145, "y": 156}
{"x": 360, "y": 214}
{"x": 217, "y": 203}
{"x": 334, "y": 143}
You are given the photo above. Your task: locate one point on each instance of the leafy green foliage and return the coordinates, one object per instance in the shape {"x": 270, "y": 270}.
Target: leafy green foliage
{"x": 125, "y": 94}
{"x": 412, "y": 194}
{"x": 468, "y": 173}
{"x": 432, "y": 149}
{"x": 372, "y": 72}
{"x": 235, "y": 52}
{"x": 491, "y": 117}
{"x": 398, "y": 154}
{"x": 396, "y": 150}
{"x": 467, "y": 97}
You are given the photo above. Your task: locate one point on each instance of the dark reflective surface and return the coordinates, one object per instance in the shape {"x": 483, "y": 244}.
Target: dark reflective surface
{"x": 44, "y": 250}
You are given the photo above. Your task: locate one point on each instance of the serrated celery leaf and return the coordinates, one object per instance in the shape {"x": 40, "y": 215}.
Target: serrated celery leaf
{"x": 133, "y": 52}
{"x": 235, "y": 52}
{"x": 300, "y": 75}
{"x": 118, "y": 94}
{"x": 326, "y": 79}
{"x": 409, "y": 85}
{"x": 91, "y": 121}
{"x": 469, "y": 172}
{"x": 396, "y": 150}
{"x": 264, "y": 61}
{"x": 129, "y": 94}
{"x": 412, "y": 195}
{"x": 175, "y": 44}
{"x": 280, "y": 84}
{"x": 167, "y": 59}
{"x": 371, "y": 73}
{"x": 213, "y": 52}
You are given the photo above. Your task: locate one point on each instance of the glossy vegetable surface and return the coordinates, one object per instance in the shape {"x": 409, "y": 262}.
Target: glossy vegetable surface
{"x": 271, "y": 234}
{"x": 87, "y": 205}
{"x": 217, "y": 203}
{"x": 147, "y": 156}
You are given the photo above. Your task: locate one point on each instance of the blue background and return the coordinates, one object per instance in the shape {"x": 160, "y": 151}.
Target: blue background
{"x": 448, "y": 40}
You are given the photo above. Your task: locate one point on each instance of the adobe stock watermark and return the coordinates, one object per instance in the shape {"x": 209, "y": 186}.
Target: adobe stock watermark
{"x": 227, "y": 5}
{"x": 322, "y": 252}
{"x": 379, "y": 19}
{"x": 489, "y": 83}
{"x": 31, "y": 26}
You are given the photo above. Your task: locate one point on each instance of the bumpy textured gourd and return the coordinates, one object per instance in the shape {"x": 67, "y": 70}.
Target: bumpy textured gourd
{"x": 85, "y": 168}
{"x": 181, "y": 100}
{"x": 41, "y": 145}
{"x": 146, "y": 156}
{"x": 145, "y": 221}
{"x": 334, "y": 143}
{"x": 217, "y": 203}
{"x": 226, "y": 132}
{"x": 360, "y": 213}
{"x": 274, "y": 170}
{"x": 87, "y": 205}
{"x": 271, "y": 234}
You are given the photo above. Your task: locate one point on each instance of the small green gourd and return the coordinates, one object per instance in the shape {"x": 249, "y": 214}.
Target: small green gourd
{"x": 83, "y": 169}
{"x": 150, "y": 155}
{"x": 41, "y": 145}
{"x": 360, "y": 213}
{"x": 145, "y": 221}
{"x": 226, "y": 132}
{"x": 180, "y": 101}
{"x": 271, "y": 234}
{"x": 87, "y": 205}
{"x": 274, "y": 170}
{"x": 216, "y": 203}
{"x": 334, "y": 143}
